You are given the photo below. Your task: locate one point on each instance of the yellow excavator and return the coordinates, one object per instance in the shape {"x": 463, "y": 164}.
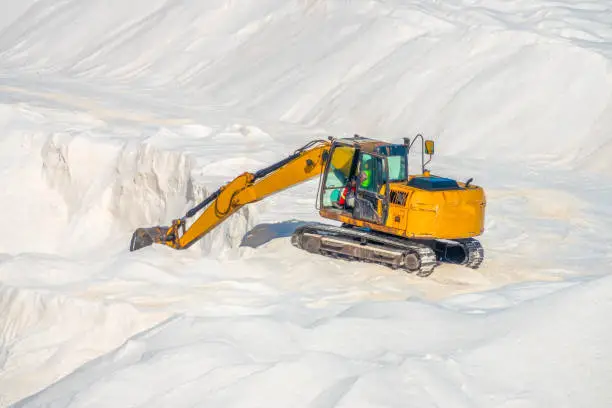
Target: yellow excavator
{"x": 387, "y": 215}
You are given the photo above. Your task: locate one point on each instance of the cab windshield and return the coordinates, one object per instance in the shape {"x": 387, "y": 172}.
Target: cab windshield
{"x": 396, "y": 161}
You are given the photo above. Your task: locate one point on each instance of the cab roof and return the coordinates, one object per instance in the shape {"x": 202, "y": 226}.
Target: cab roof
{"x": 365, "y": 144}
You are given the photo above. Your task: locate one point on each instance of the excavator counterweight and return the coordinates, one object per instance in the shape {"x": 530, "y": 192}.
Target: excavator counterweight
{"x": 387, "y": 215}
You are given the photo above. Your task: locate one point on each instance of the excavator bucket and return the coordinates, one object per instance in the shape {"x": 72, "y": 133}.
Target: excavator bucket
{"x": 144, "y": 237}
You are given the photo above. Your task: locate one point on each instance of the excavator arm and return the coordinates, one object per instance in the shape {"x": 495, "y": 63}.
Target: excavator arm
{"x": 305, "y": 163}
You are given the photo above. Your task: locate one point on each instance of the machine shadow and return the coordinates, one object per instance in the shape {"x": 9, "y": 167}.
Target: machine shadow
{"x": 263, "y": 233}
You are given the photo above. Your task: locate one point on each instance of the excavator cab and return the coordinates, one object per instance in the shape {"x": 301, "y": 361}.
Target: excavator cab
{"x": 357, "y": 176}
{"x": 355, "y": 183}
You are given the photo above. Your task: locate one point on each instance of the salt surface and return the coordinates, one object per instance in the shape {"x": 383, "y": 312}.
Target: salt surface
{"x": 125, "y": 114}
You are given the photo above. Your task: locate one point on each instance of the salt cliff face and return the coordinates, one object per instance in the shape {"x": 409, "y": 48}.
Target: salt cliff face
{"x": 94, "y": 189}
{"x": 120, "y": 186}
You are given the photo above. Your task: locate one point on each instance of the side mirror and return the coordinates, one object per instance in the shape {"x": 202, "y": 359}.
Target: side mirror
{"x": 429, "y": 147}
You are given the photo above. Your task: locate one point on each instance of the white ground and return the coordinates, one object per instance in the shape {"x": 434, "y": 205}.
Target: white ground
{"x": 120, "y": 114}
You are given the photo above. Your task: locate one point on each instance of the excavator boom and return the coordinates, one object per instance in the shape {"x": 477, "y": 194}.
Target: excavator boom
{"x": 305, "y": 163}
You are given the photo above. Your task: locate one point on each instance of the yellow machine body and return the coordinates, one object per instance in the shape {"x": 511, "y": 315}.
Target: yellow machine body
{"x": 415, "y": 213}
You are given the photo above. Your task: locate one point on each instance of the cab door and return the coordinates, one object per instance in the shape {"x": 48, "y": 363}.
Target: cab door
{"x": 337, "y": 175}
{"x": 371, "y": 195}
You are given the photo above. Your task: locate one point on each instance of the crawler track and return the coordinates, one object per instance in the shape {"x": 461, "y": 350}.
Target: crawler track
{"x": 420, "y": 257}
{"x": 352, "y": 243}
